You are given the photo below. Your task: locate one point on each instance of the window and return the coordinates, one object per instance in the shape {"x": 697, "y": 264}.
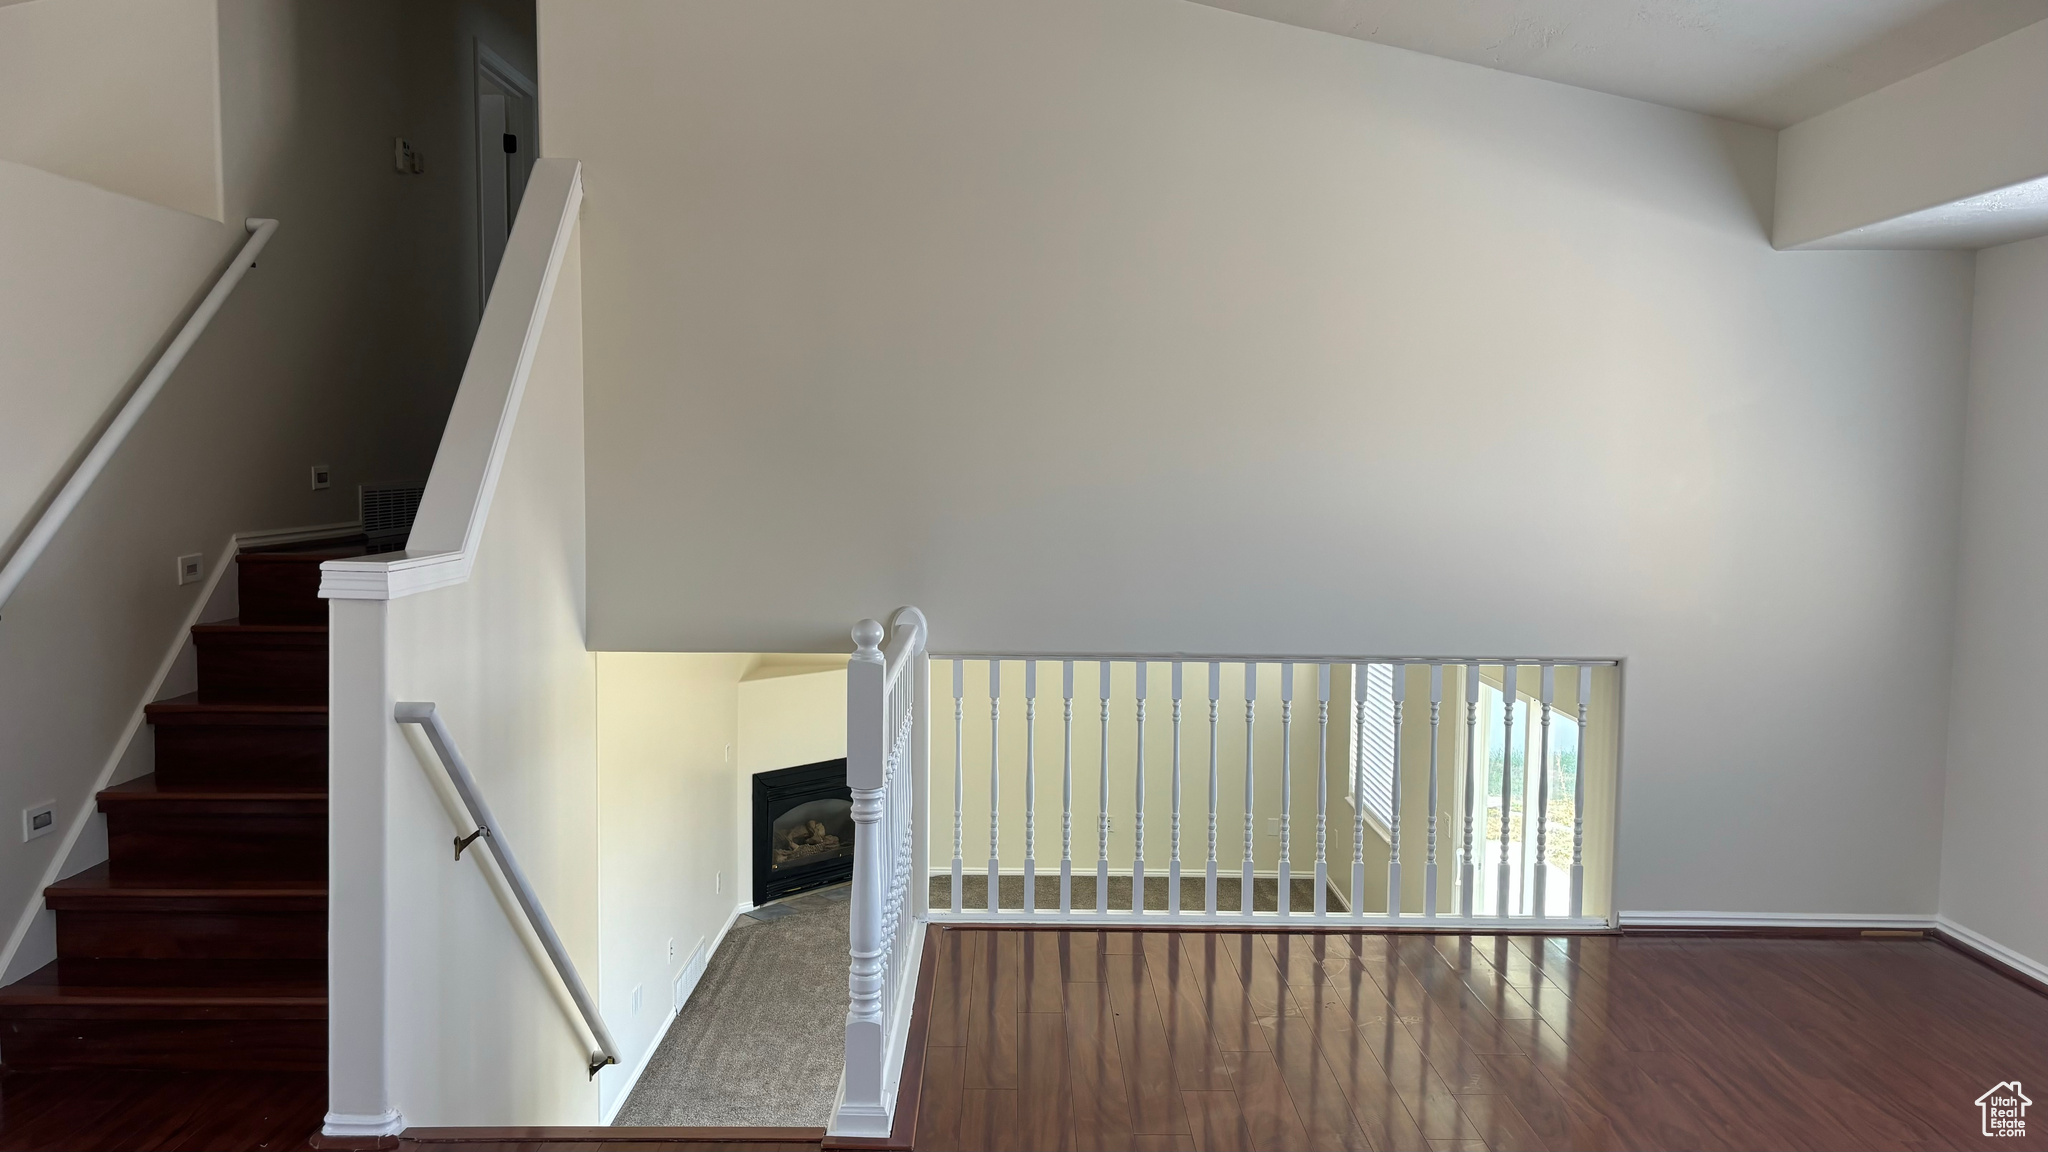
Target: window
{"x": 1376, "y": 748}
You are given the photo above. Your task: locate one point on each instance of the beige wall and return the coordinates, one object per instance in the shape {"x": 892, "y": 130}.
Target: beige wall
{"x": 476, "y": 1032}
{"x": 1994, "y": 877}
{"x": 1007, "y": 309}
{"x": 117, "y": 94}
{"x": 665, "y": 724}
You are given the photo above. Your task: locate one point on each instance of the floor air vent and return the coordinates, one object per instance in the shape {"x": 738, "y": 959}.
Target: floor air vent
{"x": 388, "y": 511}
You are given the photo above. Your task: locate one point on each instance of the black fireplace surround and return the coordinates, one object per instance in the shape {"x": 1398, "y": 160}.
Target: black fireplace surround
{"x": 803, "y": 829}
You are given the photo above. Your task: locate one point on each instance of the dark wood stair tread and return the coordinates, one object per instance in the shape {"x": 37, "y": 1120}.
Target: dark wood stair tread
{"x": 96, "y": 889}
{"x": 164, "y": 989}
{"x": 189, "y": 709}
{"x": 145, "y": 790}
{"x": 233, "y": 626}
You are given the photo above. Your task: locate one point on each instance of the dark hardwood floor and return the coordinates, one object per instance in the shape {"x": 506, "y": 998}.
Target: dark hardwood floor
{"x": 1199, "y": 1040}
{"x": 1219, "y": 1040}
{"x": 114, "y": 1108}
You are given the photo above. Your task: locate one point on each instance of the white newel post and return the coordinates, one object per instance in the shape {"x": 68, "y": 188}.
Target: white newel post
{"x": 359, "y": 739}
{"x": 862, "y": 1110}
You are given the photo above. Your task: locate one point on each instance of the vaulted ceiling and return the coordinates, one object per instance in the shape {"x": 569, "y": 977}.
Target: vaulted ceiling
{"x": 1767, "y": 62}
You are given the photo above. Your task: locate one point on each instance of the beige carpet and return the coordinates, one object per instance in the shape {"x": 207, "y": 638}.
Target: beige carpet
{"x": 763, "y": 1037}
{"x": 1265, "y": 893}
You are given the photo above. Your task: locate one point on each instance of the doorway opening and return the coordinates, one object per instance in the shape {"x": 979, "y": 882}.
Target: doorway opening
{"x": 507, "y": 143}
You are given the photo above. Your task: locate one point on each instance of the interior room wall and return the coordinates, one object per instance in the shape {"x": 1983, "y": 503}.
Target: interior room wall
{"x": 115, "y": 94}
{"x": 1150, "y": 327}
{"x": 666, "y": 722}
{"x": 1994, "y": 879}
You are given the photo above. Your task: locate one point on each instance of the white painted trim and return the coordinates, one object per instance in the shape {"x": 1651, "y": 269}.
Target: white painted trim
{"x": 646, "y": 1057}
{"x": 1272, "y": 921}
{"x": 221, "y": 562}
{"x": 1993, "y": 948}
{"x": 450, "y": 525}
{"x": 345, "y": 1124}
{"x": 1880, "y": 921}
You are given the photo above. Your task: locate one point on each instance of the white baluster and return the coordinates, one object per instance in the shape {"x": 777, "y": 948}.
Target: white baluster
{"x": 1030, "y": 786}
{"x": 1507, "y": 772}
{"x": 1467, "y": 871}
{"x": 1285, "y": 895}
{"x": 866, "y": 716}
{"x": 995, "y": 780}
{"x": 1322, "y": 904}
{"x": 1067, "y": 790}
{"x": 1215, "y": 681}
{"x": 1251, "y": 695}
{"x": 1359, "y": 679}
{"x": 1173, "y": 865}
{"x": 1579, "y": 797}
{"x": 1138, "y": 825}
{"x": 959, "y": 774}
{"x": 1436, "y": 698}
{"x": 1400, "y": 696}
{"x": 1102, "y": 817}
{"x": 1542, "y": 817}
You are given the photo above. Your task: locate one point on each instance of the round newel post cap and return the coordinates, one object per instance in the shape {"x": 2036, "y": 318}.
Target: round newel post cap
{"x": 867, "y": 636}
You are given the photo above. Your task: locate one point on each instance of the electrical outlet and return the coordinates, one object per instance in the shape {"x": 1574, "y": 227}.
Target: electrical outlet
{"x": 191, "y": 568}
{"x": 320, "y": 476}
{"x": 1273, "y": 827}
{"x": 728, "y": 753}
{"x": 406, "y": 158}
{"x": 40, "y": 820}
{"x": 637, "y": 999}
{"x": 718, "y": 883}
{"x": 671, "y": 949}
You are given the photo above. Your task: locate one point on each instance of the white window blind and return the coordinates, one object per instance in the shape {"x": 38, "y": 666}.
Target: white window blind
{"x": 1376, "y": 747}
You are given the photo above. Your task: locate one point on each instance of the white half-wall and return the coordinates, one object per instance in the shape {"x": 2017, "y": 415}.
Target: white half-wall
{"x": 1149, "y": 327}
{"x": 477, "y": 1032}
{"x": 1994, "y": 873}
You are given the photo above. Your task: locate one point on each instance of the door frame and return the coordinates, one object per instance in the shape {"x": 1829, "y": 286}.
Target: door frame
{"x": 495, "y": 69}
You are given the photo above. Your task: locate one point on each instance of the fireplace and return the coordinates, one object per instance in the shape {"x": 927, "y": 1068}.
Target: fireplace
{"x": 803, "y": 829}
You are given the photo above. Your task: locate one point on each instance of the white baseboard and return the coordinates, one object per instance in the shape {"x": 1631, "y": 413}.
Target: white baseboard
{"x": 1878, "y": 921}
{"x": 82, "y": 815}
{"x": 361, "y": 1125}
{"x": 1992, "y": 948}
{"x": 646, "y": 1056}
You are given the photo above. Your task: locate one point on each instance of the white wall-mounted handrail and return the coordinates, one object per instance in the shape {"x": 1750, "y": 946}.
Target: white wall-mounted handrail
{"x": 423, "y": 714}
{"x": 103, "y": 449}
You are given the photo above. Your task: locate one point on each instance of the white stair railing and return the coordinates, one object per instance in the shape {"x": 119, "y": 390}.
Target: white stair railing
{"x": 887, "y": 744}
{"x": 1508, "y": 791}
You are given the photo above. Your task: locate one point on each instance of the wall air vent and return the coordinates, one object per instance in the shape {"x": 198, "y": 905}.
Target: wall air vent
{"x": 388, "y": 511}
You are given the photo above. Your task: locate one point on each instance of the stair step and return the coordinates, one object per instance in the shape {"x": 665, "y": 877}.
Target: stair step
{"x": 156, "y": 833}
{"x": 100, "y": 917}
{"x": 283, "y": 587}
{"x": 251, "y": 1014}
{"x": 244, "y": 745}
{"x": 262, "y": 663}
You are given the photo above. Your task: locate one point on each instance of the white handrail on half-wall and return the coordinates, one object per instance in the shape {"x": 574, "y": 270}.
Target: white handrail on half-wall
{"x": 887, "y": 733}
{"x": 440, "y": 553}
{"x": 605, "y": 1051}
{"x": 103, "y": 449}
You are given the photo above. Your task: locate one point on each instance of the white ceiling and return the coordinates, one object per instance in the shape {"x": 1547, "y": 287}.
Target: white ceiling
{"x": 1768, "y": 62}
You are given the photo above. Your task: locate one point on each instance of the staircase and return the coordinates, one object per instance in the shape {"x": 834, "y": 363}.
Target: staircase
{"x": 202, "y": 942}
